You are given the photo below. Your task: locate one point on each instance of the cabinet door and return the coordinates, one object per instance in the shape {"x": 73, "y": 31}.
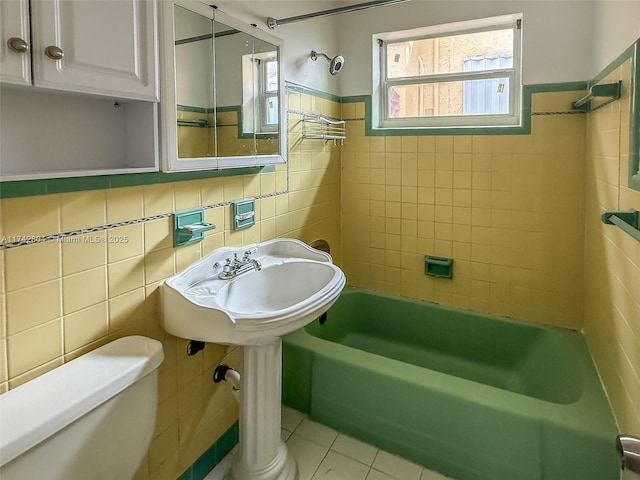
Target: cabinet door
{"x": 106, "y": 47}
{"x": 15, "y": 65}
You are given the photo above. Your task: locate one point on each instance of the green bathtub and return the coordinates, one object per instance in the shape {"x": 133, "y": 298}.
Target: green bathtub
{"x": 472, "y": 396}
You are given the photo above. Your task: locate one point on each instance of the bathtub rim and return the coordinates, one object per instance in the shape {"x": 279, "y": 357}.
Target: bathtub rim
{"x": 592, "y": 398}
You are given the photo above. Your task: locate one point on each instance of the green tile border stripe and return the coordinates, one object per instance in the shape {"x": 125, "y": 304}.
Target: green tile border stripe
{"x": 634, "y": 124}
{"x": 228, "y": 108}
{"x": 523, "y": 129}
{"x": 620, "y": 59}
{"x": 26, "y": 188}
{"x": 192, "y": 109}
{"x": 209, "y": 459}
{"x": 633, "y": 53}
{"x": 294, "y": 87}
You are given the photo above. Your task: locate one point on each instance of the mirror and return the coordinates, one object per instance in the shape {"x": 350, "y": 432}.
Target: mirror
{"x": 225, "y": 80}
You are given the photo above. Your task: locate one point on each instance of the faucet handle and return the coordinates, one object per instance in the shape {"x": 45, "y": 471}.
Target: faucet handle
{"x": 249, "y": 252}
{"x": 227, "y": 265}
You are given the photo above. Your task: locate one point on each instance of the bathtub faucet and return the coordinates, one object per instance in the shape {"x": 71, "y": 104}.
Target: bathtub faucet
{"x": 236, "y": 266}
{"x": 629, "y": 450}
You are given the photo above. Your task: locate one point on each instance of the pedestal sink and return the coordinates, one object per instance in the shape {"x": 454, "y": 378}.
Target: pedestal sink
{"x": 251, "y": 296}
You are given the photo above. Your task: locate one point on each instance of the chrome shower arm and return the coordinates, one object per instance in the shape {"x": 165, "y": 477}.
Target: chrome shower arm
{"x": 314, "y": 56}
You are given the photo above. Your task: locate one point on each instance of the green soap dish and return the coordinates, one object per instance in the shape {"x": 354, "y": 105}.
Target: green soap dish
{"x": 189, "y": 226}
{"x": 438, "y": 266}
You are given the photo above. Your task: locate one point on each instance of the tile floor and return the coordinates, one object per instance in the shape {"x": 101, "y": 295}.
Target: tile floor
{"x": 324, "y": 454}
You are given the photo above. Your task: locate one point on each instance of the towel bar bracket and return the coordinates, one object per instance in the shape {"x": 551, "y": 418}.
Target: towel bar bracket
{"x": 611, "y": 90}
{"x": 625, "y": 220}
{"x": 629, "y": 216}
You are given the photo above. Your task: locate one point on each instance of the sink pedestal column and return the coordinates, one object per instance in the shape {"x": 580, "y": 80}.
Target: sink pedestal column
{"x": 262, "y": 454}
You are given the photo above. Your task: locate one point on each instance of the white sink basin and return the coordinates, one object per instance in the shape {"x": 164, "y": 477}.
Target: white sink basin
{"x": 294, "y": 286}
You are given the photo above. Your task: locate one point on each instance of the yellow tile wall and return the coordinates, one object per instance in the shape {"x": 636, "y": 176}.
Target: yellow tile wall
{"x": 59, "y": 300}
{"x": 511, "y": 211}
{"x": 196, "y": 141}
{"x": 508, "y": 209}
{"x": 612, "y": 258}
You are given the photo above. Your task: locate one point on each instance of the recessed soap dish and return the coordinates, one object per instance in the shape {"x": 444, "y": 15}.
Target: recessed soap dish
{"x": 438, "y": 266}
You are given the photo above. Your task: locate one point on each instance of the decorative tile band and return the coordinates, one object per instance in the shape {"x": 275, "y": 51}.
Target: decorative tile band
{"x": 577, "y": 112}
{"x": 571, "y": 112}
{"x": 523, "y": 129}
{"x": 14, "y": 241}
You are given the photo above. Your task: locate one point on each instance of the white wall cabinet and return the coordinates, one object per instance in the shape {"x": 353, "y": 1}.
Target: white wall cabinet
{"x": 15, "y": 66}
{"x": 101, "y": 47}
{"x": 104, "y": 51}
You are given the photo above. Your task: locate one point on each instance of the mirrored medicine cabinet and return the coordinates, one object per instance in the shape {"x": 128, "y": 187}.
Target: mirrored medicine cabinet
{"x": 222, "y": 91}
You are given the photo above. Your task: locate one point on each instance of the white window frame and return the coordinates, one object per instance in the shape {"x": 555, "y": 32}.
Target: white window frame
{"x": 381, "y": 83}
{"x": 255, "y": 93}
{"x": 265, "y": 95}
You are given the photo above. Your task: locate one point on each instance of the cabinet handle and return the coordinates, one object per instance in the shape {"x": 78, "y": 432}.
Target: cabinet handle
{"x": 17, "y": 45}
{"x": 53, "y": 52}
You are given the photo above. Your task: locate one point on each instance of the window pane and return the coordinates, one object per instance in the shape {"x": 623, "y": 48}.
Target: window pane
{"x": 472, "y": 97}
{"x": 447, "y": 54}
{"x": 272, "y": 76}
{"x": 271, "y": 110}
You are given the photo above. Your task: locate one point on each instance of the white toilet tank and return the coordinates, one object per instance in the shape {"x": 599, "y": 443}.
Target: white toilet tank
{"x": 89, "y": 419}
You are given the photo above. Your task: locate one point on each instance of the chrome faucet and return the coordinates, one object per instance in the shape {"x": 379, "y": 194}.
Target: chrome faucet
{"x": 236, "y": 266}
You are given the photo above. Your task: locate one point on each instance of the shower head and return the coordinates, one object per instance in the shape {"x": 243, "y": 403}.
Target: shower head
{"x": 335, "y": 64}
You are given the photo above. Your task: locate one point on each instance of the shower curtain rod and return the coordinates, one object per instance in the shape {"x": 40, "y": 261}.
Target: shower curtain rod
{"x": 273, "y": 23}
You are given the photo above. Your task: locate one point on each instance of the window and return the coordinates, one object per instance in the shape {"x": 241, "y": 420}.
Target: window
{"x": 268, "y": 96}
{"x": 459, "y": 74}
{"x": 260, "y": 92}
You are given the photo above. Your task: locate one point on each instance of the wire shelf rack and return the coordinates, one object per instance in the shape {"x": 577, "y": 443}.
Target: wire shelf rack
{"x": 323, "y": 128}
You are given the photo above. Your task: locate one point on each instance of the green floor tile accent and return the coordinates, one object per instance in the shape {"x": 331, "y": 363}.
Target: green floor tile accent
{"x": 209, "y": 459}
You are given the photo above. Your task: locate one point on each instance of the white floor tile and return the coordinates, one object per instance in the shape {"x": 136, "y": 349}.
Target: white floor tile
{"x": 316, "y": 432}
{"x": 430, "y": 475}
{"x": 307, "y": 454}
{"x": 291, "y": 418}
{"x": 376, "y": 475}
{"x": 323, "y": 454}
{"x": 352, "y": 448}
{"x": 338, "y": 467}
{"x": 397, "y": 467}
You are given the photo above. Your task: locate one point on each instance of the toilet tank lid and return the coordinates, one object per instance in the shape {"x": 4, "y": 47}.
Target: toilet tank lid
{"x": 34, "y": 411}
